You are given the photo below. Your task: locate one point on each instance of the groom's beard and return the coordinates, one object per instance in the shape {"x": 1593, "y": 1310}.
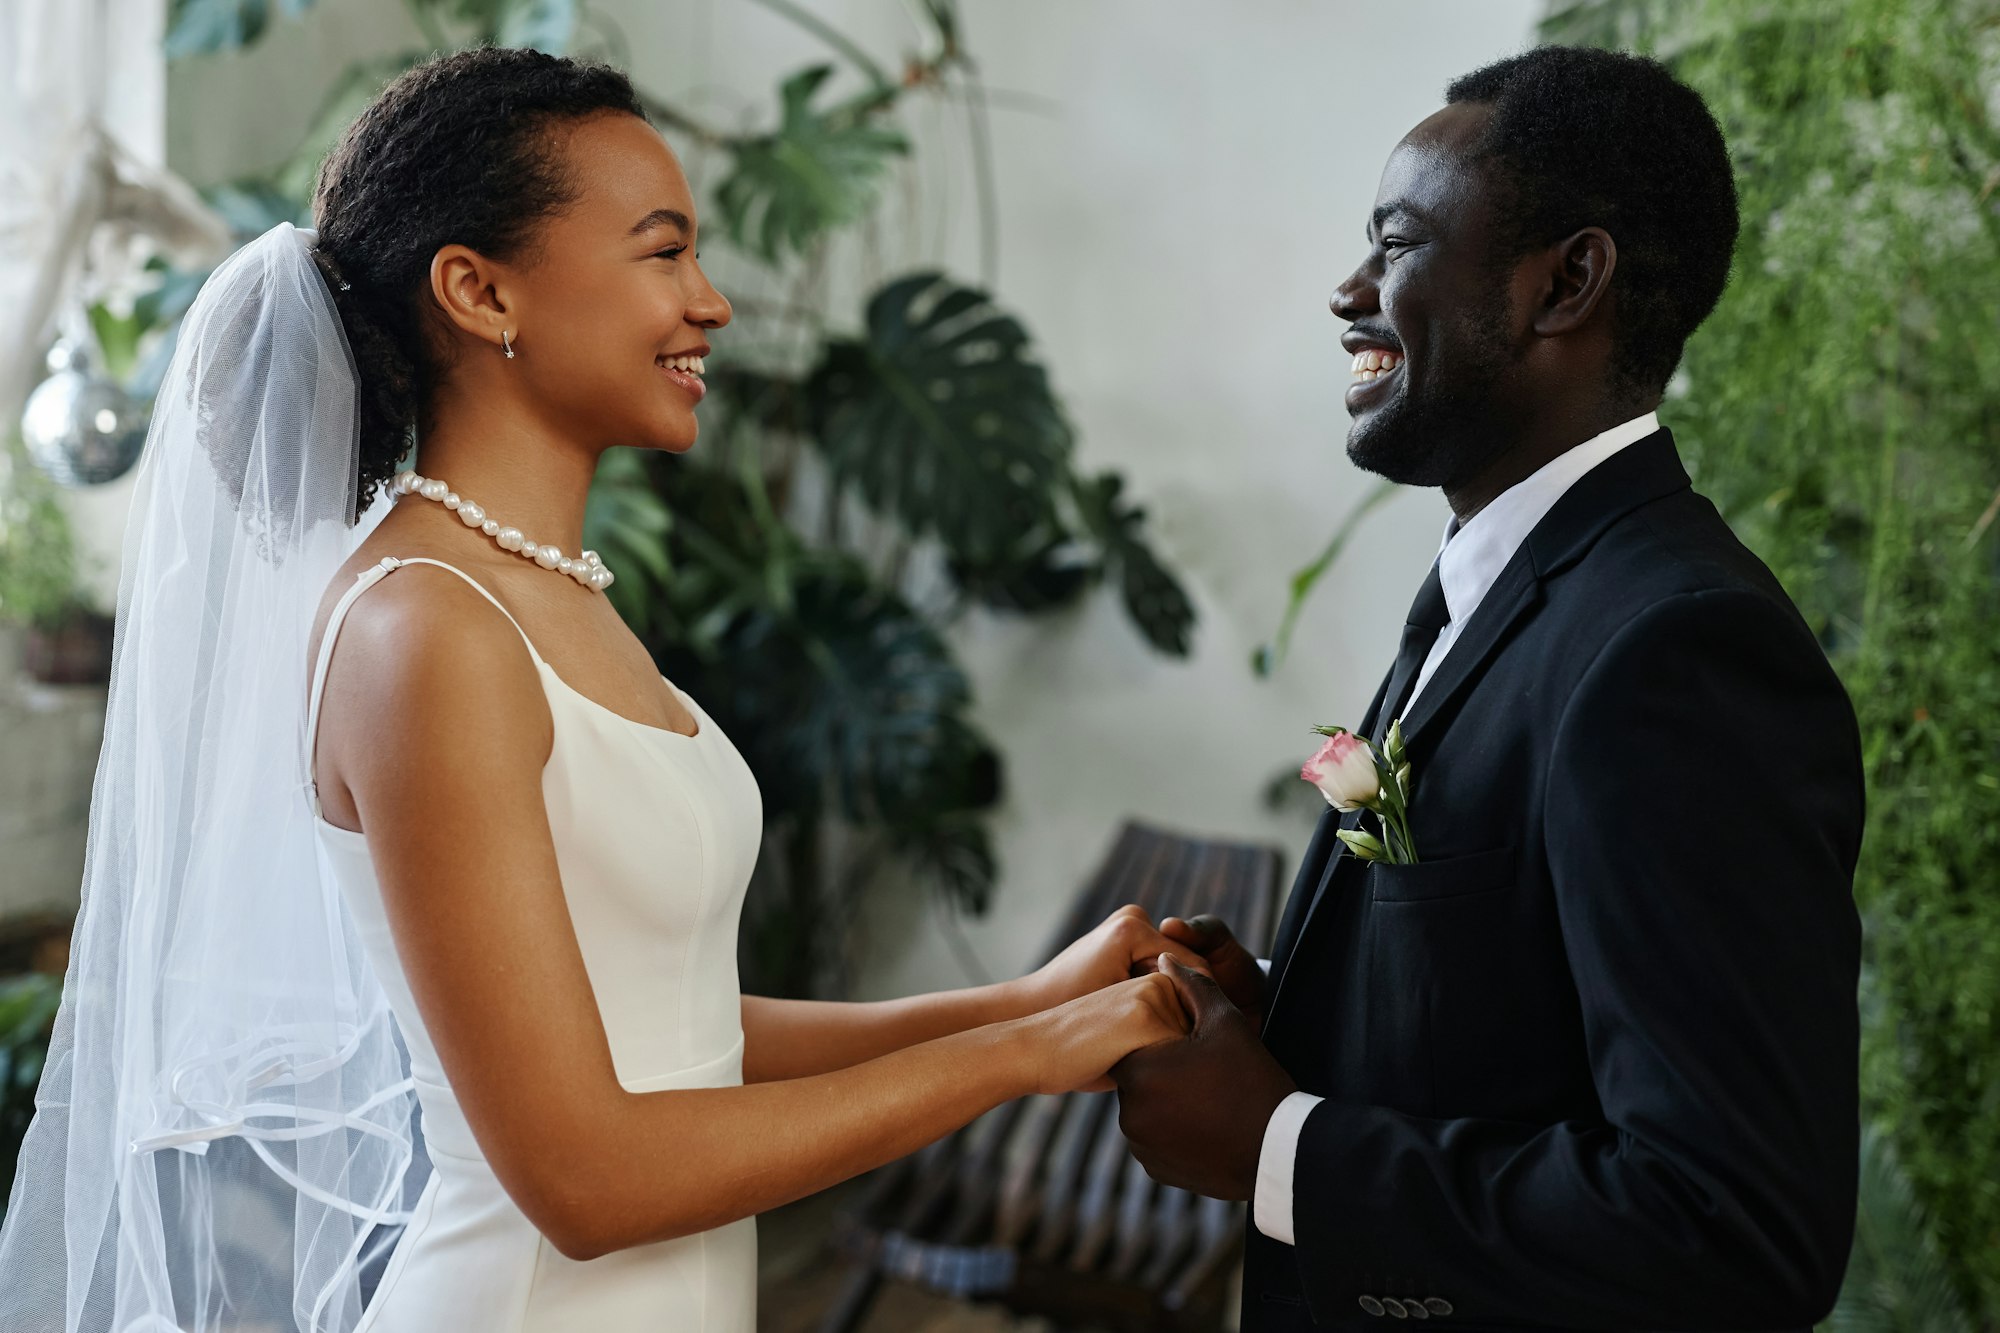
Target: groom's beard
{"x": 1440, "y": 435}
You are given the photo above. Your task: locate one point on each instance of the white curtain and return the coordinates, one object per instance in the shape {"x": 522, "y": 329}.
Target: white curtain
{"x": 82, "y": 169}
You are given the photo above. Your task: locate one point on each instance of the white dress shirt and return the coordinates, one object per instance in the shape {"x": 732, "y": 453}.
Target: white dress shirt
{"x": 1469, "y": 561}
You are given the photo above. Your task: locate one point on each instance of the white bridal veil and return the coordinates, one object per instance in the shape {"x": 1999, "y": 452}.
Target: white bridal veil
{"x": 224, "y": 1137}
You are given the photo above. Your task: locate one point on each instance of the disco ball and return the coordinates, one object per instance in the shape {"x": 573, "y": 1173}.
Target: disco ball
{"x": 82, "y": 427}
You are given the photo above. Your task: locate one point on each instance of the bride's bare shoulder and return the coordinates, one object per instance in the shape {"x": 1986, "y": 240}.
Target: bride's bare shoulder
{"x": 423, "y": 638}
{"x": 428, "y": 682}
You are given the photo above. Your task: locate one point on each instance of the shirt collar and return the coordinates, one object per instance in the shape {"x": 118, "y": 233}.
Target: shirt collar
{"x": 1473, "y": 554}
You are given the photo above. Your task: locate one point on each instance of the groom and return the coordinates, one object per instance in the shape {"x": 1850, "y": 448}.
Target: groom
{"x": 1592, "y": 1062}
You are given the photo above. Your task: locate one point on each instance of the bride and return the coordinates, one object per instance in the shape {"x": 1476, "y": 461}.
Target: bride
{"x": 404, "y": 994}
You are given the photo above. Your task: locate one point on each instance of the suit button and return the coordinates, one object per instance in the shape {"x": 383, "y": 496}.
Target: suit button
{"x": 1395, "y": 1307}
{"x": 1373, "y": 1306}
{"x": 1416, "y": 1309}
{"x": 1437, "y": 1307}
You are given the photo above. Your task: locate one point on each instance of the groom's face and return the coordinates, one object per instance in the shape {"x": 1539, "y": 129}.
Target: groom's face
{"x": 1431, "y": 296}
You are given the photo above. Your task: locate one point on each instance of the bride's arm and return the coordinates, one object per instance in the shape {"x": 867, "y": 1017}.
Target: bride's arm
{"x": 794, "y": 1038}
{"x": 436, "y": 731}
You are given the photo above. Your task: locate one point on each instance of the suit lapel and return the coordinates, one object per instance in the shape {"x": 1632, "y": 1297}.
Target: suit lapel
{"x": 1315, "y": 869}
{"x": 1511, "y": 597}
{"x": 1318, "y": 874}
{"x": 1639, "y": 474}
{"x": 1319, "y": 853}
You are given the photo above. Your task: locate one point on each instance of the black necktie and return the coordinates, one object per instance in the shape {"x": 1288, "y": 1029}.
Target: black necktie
{"x": 1428, "y": 615}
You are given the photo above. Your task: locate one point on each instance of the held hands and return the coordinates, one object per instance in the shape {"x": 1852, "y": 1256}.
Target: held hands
{"x": 1194, "y": 1110}
{"x": 1234, "y": 967}
{"x": 1195, "y": 1085}
{"x": 1073, "y": 1044}
{"x": 1126, "y": 944}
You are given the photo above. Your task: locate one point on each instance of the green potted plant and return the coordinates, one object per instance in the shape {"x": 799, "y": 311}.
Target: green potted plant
{"x": 28, "y": 1004}
{"x": 46, "y": 628}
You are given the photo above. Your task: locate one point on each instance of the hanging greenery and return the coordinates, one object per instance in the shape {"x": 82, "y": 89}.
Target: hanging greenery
{"x": 1842, "y": 407}
{"x": 855, "y": 492}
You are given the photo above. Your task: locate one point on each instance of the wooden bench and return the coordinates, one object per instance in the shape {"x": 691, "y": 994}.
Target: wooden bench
{"x": 1039, "y": 1206}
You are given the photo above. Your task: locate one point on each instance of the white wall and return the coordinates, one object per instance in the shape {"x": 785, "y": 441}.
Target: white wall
{"x": 1191, "y": 184}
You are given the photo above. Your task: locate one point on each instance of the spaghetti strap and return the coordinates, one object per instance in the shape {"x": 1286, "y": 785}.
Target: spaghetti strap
{"x": 390, "y": 562}
{"x": 363, "y": 581}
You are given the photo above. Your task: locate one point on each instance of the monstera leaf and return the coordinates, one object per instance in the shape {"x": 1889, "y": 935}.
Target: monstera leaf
{"x": 939, "y": 418}
{"x": 544, "y": 25}
{"x": 342, "y": 104}
{"x": 627, "y": 524}
{"x": 860, "y": 701}
{"x": 202, "y": 27}
{"x": 1153, "y": 597}
{"x": 1045, "y": 572}
{"x": 818, "y": 171}
{"x": 756, "y": 400}
{"x": 954, "y": 853}
{"x": 252, "y": 205}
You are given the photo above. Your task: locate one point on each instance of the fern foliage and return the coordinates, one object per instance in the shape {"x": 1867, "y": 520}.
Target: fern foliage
{"x": 1842, "y": 406}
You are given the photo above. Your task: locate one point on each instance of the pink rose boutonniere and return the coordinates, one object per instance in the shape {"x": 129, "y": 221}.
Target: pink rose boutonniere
{"x": 1353, "y": 775}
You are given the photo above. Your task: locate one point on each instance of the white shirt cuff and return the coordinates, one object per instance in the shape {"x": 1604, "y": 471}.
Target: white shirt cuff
{"x": 1272, "y": 1207}
{"x": 1265, "y": 963}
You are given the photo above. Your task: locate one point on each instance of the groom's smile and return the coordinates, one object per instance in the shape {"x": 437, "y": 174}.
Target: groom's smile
{"x": 1373, "y": 366}
{"x": 1434, "y": 335}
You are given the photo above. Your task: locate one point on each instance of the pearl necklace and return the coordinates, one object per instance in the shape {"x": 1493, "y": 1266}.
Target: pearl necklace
{"x": 586, "y": 569}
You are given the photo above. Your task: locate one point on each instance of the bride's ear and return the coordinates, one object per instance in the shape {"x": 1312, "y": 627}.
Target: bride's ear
{"x": 472, "y": 291}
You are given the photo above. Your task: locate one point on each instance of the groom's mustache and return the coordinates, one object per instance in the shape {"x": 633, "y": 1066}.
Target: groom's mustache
{"x": 1371, "y": 335}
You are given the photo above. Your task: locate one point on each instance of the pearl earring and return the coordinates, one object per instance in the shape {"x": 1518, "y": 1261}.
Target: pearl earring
{"x": 506, "y": 344}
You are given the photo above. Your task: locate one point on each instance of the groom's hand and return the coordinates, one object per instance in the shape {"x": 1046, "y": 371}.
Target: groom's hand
{"x": 1194, "y": 1110}
{"x": 1234, "y": 967}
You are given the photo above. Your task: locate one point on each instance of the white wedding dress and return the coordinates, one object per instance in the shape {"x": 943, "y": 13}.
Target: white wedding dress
{"x": 655, "y": 834}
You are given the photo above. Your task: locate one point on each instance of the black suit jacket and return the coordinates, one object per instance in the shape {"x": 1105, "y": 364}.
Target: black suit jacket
{"x": 1592, "y": 1063}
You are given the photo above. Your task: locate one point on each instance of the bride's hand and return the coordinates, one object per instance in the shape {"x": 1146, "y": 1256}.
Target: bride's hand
{"x": 1073, "y": 1046}
{"x": 1125, "y": 944}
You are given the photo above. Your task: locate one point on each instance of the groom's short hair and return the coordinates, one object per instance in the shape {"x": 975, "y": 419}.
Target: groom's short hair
{"x": 1580, "y": 137}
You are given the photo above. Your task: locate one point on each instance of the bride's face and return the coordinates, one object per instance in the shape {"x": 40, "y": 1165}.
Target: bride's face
{"x": 614, "y": 296}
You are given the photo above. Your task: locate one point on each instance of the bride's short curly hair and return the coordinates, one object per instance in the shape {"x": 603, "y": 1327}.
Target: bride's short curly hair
{"x": 456, "y": 150}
